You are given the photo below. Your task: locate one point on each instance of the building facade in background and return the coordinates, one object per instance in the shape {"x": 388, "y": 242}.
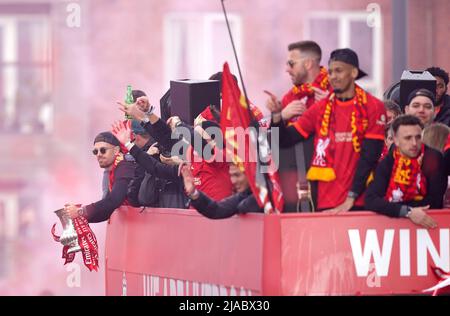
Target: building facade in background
{"x": 64, "y": 64}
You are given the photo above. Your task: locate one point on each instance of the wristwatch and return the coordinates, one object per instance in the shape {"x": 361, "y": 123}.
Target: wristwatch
{"x": 150, "y": 110}
{"x": 352, "y": 195}
{"x": 145, "y": 120}
{"x": 194, "y": 195}
{"x": 82, "y": 211}
{"x": 409, "y": 212}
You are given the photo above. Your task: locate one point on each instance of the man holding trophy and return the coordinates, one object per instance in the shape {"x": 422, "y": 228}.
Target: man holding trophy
{"x": 77, "y": 235}
{"x": 117, "y": 175}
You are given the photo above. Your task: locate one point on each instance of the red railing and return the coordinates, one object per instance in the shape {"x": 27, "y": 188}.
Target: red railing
{"x": 179, "y": 252}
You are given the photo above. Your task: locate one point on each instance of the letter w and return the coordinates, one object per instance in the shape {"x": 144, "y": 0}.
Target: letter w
{"x": 362, "y": 257}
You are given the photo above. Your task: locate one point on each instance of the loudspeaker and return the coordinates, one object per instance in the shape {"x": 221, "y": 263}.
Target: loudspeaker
{"x": 190, "y": 97}
{"x": 412, "y": 80}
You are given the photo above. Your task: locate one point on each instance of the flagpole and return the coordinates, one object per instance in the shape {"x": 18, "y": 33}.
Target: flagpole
{"x": 252, "y": 118}
{"x": 253, "y": 121}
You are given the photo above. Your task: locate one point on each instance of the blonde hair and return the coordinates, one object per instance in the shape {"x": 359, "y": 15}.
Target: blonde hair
{"x": 435, "y": 136}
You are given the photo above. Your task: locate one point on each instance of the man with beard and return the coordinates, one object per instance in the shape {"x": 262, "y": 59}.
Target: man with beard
{"x": 310, "y": 80}
{"x": 310, "y": 85}
{"x": 410, "y": 179}
{"x": 118, "y": 174}
{"x": 442, "y": 107}
{"x": 348, "y": 128}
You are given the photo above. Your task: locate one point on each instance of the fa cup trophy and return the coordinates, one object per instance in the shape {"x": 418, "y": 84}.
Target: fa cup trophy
{"x": 69, "y": 235}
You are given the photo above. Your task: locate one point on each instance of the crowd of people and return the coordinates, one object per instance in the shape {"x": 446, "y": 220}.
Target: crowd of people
{"x": 361, "y": 153}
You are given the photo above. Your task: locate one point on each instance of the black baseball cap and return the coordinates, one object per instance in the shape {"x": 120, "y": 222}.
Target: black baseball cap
{"x": 424, "y": 93}
{"x": 107, "y": 137}
{"x": 348, "y": 56}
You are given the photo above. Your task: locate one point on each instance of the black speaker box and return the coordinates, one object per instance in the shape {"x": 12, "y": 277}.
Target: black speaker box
{"x": 412, "y": 80}
{"x": 190, "y": 97}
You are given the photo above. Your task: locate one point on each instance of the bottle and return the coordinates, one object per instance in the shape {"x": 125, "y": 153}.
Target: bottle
{"x": 129, "y": 100}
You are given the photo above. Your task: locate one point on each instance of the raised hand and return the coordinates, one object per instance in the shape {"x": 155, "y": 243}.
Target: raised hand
{"x": 173, "y": 121}
{"x": 274, "y": 106}
{"x": 143, "y": 104}
{"x": 132, "y": 110}
{"x": 319, "y": 94}
{"x": 122, "y": 131}
{"x": 293, "y": 109}
{"x": 171, "y": 161}
{"x": 153, "y": 150}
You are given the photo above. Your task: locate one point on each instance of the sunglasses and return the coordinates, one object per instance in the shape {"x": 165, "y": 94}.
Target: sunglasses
{"x": 291, "y": 63}
{"x": 102, "y": 150}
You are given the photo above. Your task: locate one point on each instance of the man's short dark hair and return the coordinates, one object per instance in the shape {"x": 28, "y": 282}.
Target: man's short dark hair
{"x": 391, "y": 105}
{"x": 439, "y": 72}
{"x": 137, "y": 94}
{"x": 405, "y": 120}
{"x": 218, "y": 76}
{"x": 307, "y": 47}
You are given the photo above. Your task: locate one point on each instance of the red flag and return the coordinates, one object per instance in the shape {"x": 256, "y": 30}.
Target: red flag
{"x": 241, "y": 144}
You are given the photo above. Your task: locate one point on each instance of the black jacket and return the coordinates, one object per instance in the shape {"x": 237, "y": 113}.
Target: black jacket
{"x": 444, "y": 114}
{"x": 433, "y": 170}
{"x": 239, "y": 203}
{"x": 447, "y": 161}
{"x": 162, "y": 133}
{"x": 170, "y": 187}
{"x": 101, "y": 211}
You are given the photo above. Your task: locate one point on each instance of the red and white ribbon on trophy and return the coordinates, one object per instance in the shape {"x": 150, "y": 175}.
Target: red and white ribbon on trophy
{"x": 85, "y": 238}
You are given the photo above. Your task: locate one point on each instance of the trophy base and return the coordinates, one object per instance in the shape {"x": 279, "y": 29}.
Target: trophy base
{"x": 74, "y": 249}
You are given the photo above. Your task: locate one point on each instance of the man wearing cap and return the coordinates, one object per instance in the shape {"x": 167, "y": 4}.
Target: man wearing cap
{"x": 147, "y": 145}
{"x": 163, "y": 186}
{"x": 442, "y": 107}
{"x": 117, "y": 176}
{"x": 410, "y": 179}
{"x": 421, "y": 105}
{"x": 348, "y": 128}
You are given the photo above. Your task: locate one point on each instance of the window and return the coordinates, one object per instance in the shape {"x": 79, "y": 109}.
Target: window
{"x": 8, "y": 216}
{"x": 25, "y": 73}
{"x": 197, "y": 45}
{"x": 337, "y": 29}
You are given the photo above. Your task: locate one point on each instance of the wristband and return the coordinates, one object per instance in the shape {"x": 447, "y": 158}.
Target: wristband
{"x": 129, "y": 145}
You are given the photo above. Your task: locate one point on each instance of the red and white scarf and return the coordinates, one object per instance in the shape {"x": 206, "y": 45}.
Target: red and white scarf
{"x": 322, "y": 166}
{"x": 407, "y": 181}
{"x": 306, "y": 89}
